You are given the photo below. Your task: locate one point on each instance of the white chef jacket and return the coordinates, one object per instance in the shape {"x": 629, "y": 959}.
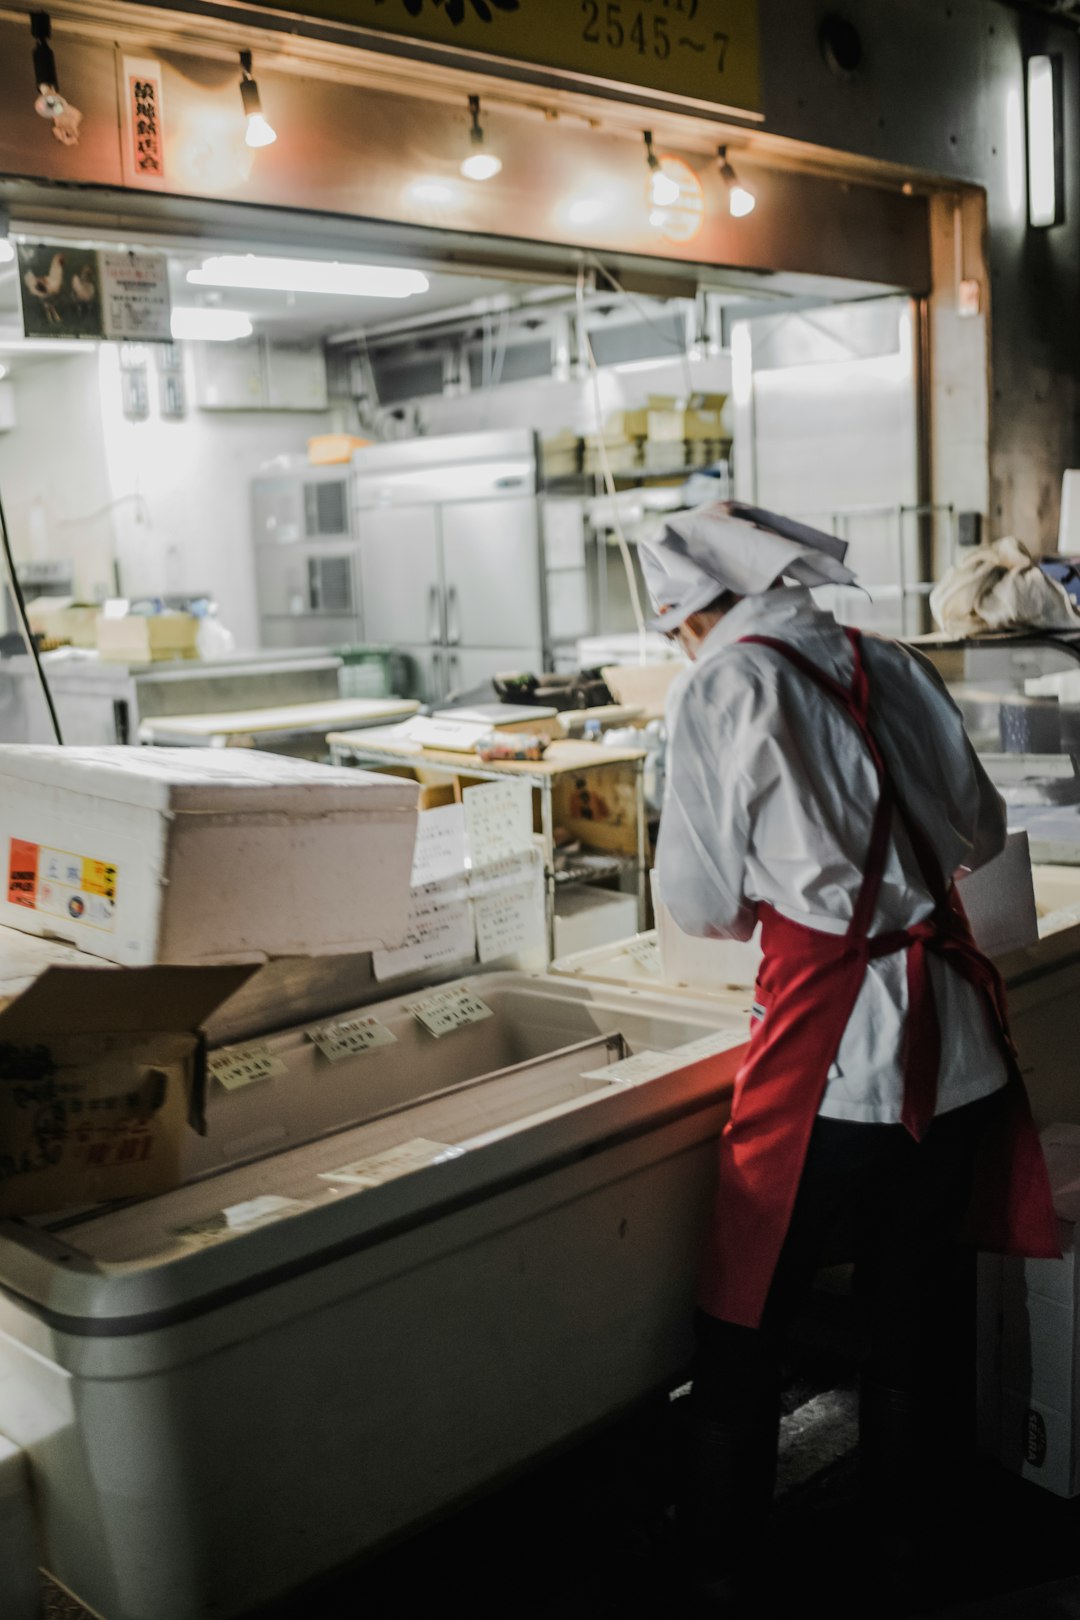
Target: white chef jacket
{"x": 770, "y": 797}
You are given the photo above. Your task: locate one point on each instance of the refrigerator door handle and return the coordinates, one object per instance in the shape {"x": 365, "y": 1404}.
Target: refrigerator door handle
{"x": 454, "y": 677}
{"x": 453, "y": 617}
{"x": 434, "y": 616}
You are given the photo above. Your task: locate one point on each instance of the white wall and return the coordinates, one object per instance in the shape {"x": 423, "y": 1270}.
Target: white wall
{"x": 169, "y": 501}
{"x": 53, "y": 475}
{"x": 194, "y": 476}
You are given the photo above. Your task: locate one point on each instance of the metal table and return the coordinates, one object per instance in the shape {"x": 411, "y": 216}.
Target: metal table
{"x": 563, "y": 761}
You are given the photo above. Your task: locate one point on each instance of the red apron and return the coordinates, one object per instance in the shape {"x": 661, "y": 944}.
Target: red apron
{"x": 807, "y": 989}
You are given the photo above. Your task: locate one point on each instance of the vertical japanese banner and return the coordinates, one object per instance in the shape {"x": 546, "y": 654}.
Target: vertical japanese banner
{"x": 144, "y": 140}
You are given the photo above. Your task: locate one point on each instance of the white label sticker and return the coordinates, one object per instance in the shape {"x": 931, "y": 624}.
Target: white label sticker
{"x": 498, "y": 820}
{"x": 447, "y": 1010}
{"x": 351, "y": 1038}
{"x": 239, "y": 1218}
{"x": 393, "y": 1162}
{"x": 243, "y": 1066}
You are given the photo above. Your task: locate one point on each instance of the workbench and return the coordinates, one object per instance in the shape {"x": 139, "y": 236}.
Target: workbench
{"x": 597, "y": 794}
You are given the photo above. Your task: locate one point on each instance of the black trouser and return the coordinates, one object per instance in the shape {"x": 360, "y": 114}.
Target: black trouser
{"x": 872, "y": 1195}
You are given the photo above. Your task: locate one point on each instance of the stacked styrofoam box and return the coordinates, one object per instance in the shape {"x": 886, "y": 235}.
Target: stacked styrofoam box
{"x": 145, "y": 855}
{"x": 1000, "y": 899}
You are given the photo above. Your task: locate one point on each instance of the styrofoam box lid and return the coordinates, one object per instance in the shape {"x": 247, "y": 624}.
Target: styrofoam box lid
{"x": 205, "y": 779}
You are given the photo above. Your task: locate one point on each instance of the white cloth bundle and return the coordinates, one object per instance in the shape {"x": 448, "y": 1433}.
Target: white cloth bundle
{"x": 1000, "y": 587}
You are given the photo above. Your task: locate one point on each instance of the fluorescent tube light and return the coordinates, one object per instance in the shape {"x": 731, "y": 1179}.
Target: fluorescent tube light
{"x": 1045, "y": 156}
{"x": 255, "y": 273}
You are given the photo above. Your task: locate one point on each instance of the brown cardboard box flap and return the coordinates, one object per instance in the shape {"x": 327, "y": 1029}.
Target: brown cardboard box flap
{"x": 103, "y": 1000}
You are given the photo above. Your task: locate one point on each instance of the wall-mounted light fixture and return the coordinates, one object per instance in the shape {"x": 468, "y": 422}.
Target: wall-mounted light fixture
{"x": 49, "y": 103}
{"x": 1045, "y": 147}
{"x": 260, "y": 132}
{"x": 741, "y": 200}
{"x": 480, "y": 163}
{"x": 663, "y": 188}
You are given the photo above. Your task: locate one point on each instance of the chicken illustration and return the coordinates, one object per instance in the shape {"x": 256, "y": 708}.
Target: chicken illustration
{"x": 47, "y": 288}
{"x": 83, "y": 286}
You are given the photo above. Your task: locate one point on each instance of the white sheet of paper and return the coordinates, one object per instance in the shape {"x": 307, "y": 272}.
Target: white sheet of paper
{"x": 439, "y": 852}
{"x": 498, "y": 820}
{"x": 508, "y": 902}
{"x": 351, "y": 1038}
{"x": 440, "y": 929}
{"x": 450, "y": 1009}
{"x": 244, "y": 1066}
{"x": 392, "y": 1162}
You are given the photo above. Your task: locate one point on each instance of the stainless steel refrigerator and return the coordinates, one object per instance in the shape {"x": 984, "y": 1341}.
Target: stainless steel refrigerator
{"x": 450, "y": 546}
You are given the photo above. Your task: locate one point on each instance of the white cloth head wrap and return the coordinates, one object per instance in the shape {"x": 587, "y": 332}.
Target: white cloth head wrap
{"x": 730, "y": 547}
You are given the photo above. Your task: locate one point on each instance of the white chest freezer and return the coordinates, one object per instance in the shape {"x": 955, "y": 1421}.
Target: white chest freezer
{"x": 405, "y": 1262}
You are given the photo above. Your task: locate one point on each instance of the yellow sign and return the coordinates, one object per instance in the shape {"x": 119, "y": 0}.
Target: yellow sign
{"x": 696, "y": 50}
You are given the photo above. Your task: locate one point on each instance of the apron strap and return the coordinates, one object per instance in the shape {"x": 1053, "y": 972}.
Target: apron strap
{"x": 921, "y": 1050}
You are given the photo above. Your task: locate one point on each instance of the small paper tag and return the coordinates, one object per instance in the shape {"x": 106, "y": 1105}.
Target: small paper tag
{"x": 243, "y": 1066}
{"x": 239, "y": 1218}
{"x": 351, "y": 1038}
{"x": 447, "y": 1010}
{"x": 646, "y": 953}
{"x": 711, "y": 1045}
{"x": 393, "y": 1162}
{"x": 645, "y": 1066}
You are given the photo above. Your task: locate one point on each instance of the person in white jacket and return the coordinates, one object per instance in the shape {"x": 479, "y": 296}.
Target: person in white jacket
{"x": 821, "y": 784}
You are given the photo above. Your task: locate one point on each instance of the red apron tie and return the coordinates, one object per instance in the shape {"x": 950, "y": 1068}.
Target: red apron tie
{"x": 808, "y": 987}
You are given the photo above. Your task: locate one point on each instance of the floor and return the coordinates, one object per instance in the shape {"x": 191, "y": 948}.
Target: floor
{"x": 586, "y": 1537}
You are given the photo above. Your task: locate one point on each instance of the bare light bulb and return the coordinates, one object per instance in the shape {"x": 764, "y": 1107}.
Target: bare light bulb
{"x": 259, "y": 132}
{"x": 663, "y": 189}
{"x": 741, "y": 202}
{"x": 480, "y": 163}
{"x": 481, "y": 166}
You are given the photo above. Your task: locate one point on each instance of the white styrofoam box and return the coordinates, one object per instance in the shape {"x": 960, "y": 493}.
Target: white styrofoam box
{"x": 20, "y": 1587}
{"x": 145, "y": 855}
{"x": 1000, "y": 899}
{"x": 1057, "y": 890}
{"x": 586, "y": 916}
{"x": 1034, "y": 1361}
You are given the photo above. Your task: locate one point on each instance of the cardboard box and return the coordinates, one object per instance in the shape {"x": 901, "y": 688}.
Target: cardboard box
{"x": 334, "y": 449}
{"x": 199, "y": 855}
{"x": 62, "y": 618}
{"x": 101, "y": 1070}
{"x": 1029, "y": 1372}
{"x": 148, "y": 638}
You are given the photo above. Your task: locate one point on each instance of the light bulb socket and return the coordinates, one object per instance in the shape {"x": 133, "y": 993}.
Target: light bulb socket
{"x": 45, "y": 75}
{"x": 476, "y": 132}
{"x": 249, "y": 95}
{"x": 650, "y": 155}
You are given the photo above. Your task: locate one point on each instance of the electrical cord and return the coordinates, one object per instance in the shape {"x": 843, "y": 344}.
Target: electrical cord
{"x": 20, "y": 603}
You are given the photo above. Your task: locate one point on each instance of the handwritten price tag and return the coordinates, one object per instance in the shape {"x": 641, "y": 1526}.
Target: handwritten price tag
{"x": 645, "y": 954}
{"x": 243, "y": 1067}
{"x": 392, "y": 1162}
{"x": 351, "y": 1038}
{"x": 448, "y": 1010}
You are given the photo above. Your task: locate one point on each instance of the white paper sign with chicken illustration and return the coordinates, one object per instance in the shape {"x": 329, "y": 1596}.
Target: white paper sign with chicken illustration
{"x": 61, "y": 291}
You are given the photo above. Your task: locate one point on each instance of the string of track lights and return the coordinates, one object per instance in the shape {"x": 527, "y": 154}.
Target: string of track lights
{"x": 668, "y": 178}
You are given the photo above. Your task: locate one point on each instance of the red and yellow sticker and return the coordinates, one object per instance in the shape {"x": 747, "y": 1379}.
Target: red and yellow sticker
{"x": 61, "y": 884}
